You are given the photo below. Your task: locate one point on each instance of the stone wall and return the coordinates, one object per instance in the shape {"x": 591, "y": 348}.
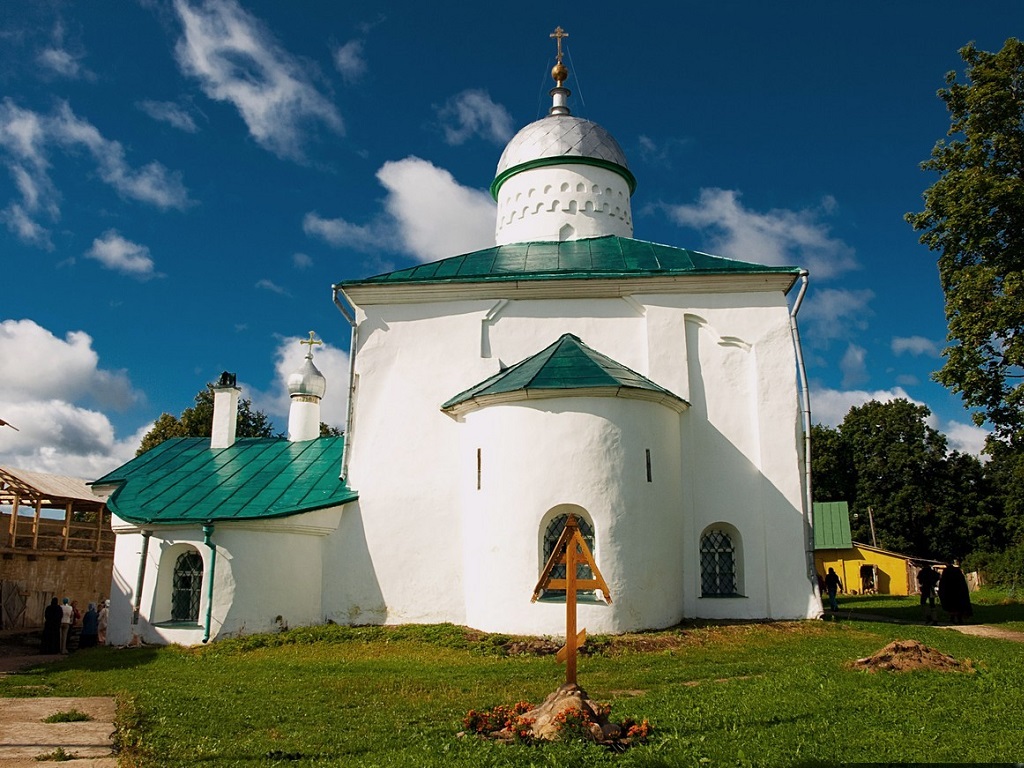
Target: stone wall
{"x": 39, "y": 576}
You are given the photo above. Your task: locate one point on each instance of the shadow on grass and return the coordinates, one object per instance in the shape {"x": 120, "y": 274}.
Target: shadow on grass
{"x": 990, "y": 607}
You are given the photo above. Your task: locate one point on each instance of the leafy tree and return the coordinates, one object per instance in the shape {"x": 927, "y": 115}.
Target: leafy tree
{"x": 197, "y": 421}
{"x": 832, "y": 474}
{"x": 896, "y": 457}
{"x": 974, "y": 218}
{"x": 326, "y": 430}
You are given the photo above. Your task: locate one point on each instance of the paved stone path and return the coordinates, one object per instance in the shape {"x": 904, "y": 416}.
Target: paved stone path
{"x": 24, "y": 736}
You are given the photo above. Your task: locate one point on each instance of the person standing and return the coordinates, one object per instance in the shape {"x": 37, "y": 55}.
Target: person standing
{"x": 954, "y": 594}
{"x": 101, "y": 623}
{"x": 51, "y": 627}
{"x": 90, "y": 628}
{"x": 927, "y": 579}
{"x": 67, "y": 616}
{"x": 833, "y": 585}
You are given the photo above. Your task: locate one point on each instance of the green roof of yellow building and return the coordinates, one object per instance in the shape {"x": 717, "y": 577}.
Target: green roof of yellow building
{"x": 832, "y": 525}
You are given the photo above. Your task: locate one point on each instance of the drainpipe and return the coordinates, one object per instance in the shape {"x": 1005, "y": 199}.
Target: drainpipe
{"x": 346, "y": 447}
{"x": 806, "y": 410}
{"x": 207, "y": 534}
{"x": 140, "y": 579}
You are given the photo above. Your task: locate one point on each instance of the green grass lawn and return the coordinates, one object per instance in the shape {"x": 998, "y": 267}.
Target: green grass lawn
{"x": 755, "y": 694}
{"x": 992, "y": 605}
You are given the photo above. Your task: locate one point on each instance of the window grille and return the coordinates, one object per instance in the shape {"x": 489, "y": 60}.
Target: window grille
{"x": 187, "y": 587}
{"x": 717, "y": 564}
{"x": 551, "y": 535}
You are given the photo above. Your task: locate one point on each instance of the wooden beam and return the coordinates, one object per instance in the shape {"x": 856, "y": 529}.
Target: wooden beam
{"x": 13, "y": 535}
{"x": 35, "y": 525}
{"x": 67, "y": 526}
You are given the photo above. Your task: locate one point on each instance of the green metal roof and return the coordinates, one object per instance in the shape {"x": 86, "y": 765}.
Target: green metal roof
{"x": 832, "y": 525}
{"x": 184, "y": 480}
{"x": 598, "y": 257}
{"x": 564, "y": 368}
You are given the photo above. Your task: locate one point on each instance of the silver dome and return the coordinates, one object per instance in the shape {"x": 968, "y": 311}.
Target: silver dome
{"x": 560, "y": 136}
{"x": 307, "y": 380}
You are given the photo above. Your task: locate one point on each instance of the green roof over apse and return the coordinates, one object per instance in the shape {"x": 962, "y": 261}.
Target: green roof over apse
{"x": 598, "y": 257}
{"x": 183, "y": 480}
{"x": 567, "y": 368}
{"x": 832, "y": 525}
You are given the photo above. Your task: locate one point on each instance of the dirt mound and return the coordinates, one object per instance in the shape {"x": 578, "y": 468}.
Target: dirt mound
{"x": 907, "y": 655}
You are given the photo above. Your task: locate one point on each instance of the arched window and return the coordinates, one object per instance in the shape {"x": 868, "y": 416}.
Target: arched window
{"x": 551, "y": 536}
{"x": 187, "y": 586}
{"x": 717, "y": 564}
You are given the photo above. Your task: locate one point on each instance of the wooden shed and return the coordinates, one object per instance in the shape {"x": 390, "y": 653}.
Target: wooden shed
{"x": 55, "y": 541}
{"x": 863, "y": 569}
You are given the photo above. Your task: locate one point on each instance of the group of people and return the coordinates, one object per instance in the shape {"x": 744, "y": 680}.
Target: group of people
{"x": 950, "y": 586}
{"x": 65, "y": 626}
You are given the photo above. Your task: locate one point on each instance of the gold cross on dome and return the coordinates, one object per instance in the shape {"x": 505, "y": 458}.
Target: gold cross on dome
{"x": 311, "y": 341}
{"x": 558, "y": 34}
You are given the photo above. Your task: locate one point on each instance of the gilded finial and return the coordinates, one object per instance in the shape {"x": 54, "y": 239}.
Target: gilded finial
{"x": 311, "y": 341}
{"x": 559, "y": 72}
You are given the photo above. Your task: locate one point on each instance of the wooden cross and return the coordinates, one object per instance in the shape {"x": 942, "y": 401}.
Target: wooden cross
{"x": 558, "y": 34}
{"x": 572, "y": 550}
{"x": 312, "y": 340}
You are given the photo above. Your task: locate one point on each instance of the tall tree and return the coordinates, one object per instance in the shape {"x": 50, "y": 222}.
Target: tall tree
{"x": 832, "y": 474}
{"x": 897, "y": 459}
{"x": 974, "y": 218}
{"x": 197, "y": 421}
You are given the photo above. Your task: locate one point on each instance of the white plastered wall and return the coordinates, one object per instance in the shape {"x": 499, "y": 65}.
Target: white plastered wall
{"x": 263, "y": 570}
{"x": 582, "y": 454}
{"x": 738, "y": 462}
{"x": 563, "y": 202}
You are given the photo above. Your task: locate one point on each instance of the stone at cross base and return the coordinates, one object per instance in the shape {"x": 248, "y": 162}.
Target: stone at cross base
{"x": 571, "y": 696}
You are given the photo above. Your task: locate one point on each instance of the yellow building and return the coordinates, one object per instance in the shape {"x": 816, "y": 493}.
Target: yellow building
{"x": 861, "y": 567}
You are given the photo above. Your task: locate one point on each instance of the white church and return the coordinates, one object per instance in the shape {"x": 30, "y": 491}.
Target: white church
{"x": 653, "y": 392}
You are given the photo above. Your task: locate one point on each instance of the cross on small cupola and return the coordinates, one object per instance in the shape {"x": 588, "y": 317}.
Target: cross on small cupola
{"x": 559, "y": 71}
{"x": 311, "y": 341}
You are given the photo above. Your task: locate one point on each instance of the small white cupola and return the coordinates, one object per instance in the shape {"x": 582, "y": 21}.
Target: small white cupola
{"x": 562, "y": 177}
{"x": 225, "y": 411}
{"x": 306, "y": 388}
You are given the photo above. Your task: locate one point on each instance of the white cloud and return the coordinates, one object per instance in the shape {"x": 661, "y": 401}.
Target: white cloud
{"x": 237, "y": 60}
{"x": 63, "y": 439}
{"x": 427, "y": 214}
{"x": 50, "y": 368}
{"x": 833, "y": 312}
{"x": 270, "y": 285}
{"x": 47, "y": 395}
{"x": 121, "y": 255}
{"x": 350, "y": 61}
{"x": 853, "y": 366}
{"x": 25, "y": 140}
{"x": 777, "y": 237}
{"x": 472, "y": 113}
{"x": 966, "y": 438}
{"x": 288, "y": 358}
{"x": 830, "y": 406}
{"x": 340, "y": 233}
{"x": 916, "y": 346}
{"x": 437, "y": 216}
{"x": 170, "y": 113}
{"x": 302, "y": 260}
{"x": 56, "y": 59}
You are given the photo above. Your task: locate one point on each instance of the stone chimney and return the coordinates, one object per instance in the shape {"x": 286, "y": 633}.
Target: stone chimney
{"x": 225, "y": 411}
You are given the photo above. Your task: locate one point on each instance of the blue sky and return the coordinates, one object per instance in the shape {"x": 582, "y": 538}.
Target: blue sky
{"x": 183, "y": 181}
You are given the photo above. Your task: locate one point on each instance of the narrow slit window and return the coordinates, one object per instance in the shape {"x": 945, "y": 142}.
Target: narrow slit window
{"x": 647, "y": 451}
{"x": 479, "y": 465}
